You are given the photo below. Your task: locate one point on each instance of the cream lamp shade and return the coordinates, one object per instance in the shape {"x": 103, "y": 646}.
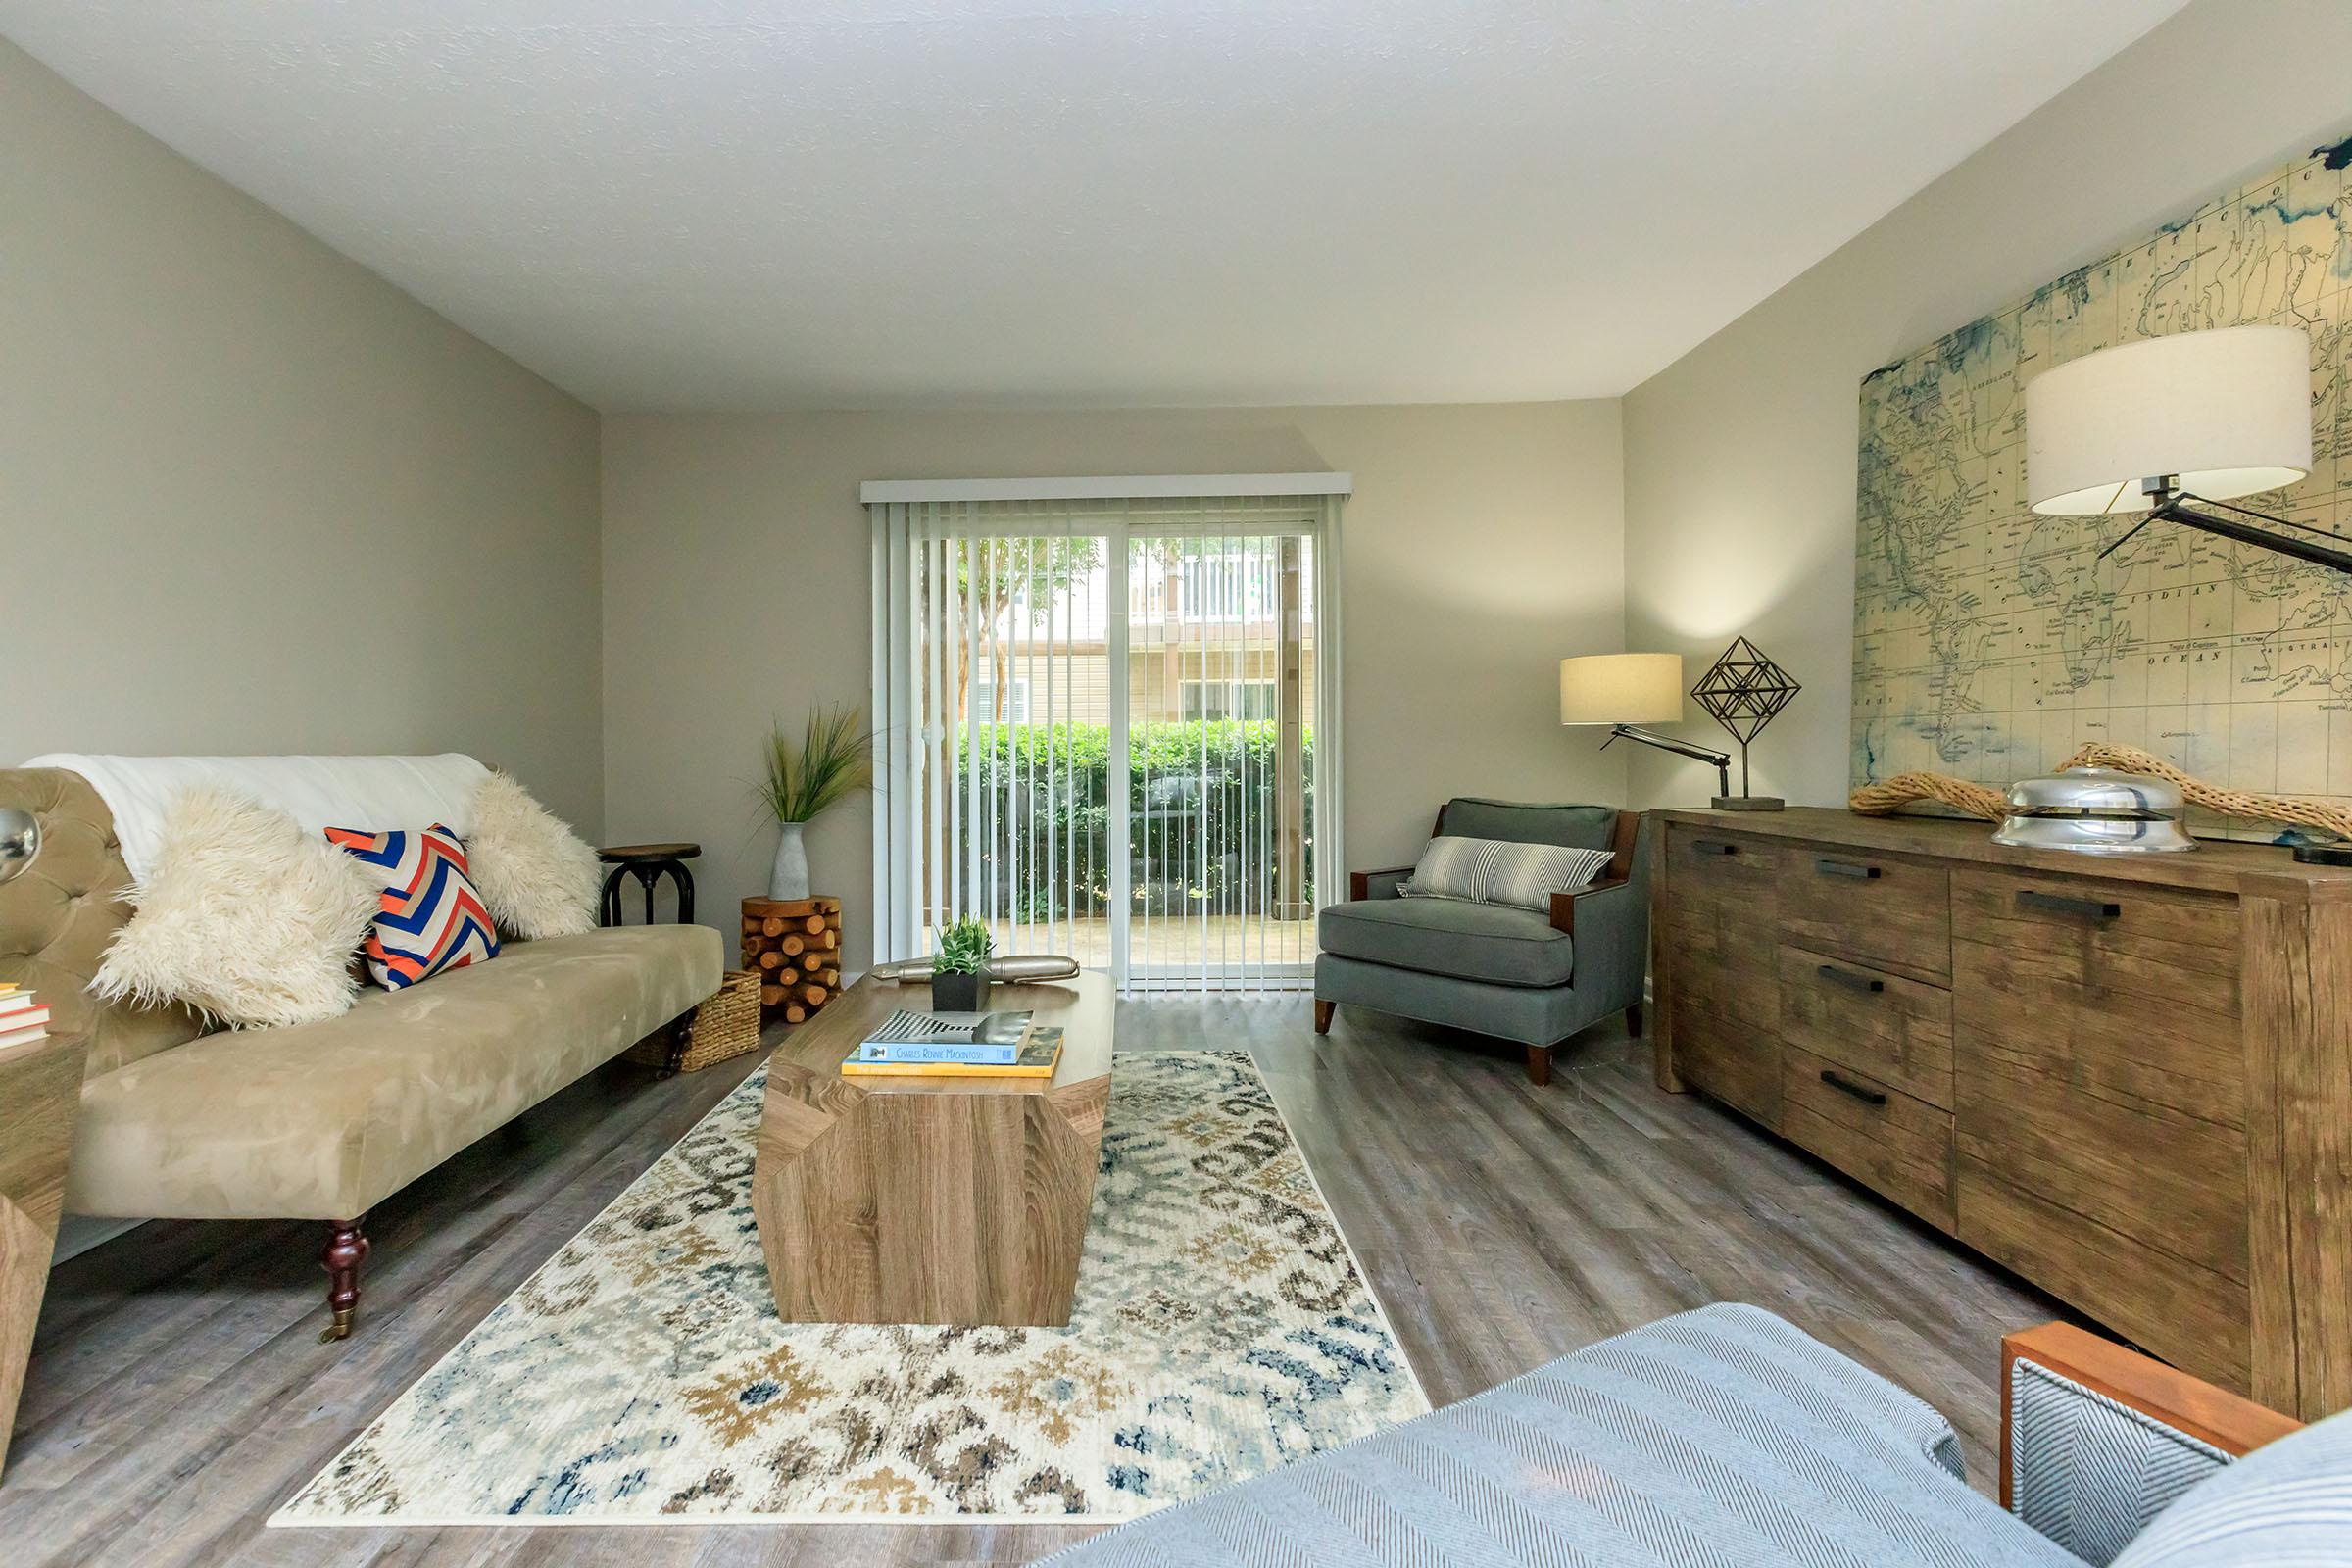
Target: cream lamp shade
{"x": 2222, "y": 414}
{"x": 1621, "y": 689}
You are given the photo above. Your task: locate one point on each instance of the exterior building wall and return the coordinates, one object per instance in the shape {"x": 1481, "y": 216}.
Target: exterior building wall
{"x": 1080, "y": 681}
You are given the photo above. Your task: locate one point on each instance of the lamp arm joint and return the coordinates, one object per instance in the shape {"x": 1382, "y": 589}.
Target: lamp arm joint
{"x": 2176, "y": 510}
{"x": 1667, "y": 743}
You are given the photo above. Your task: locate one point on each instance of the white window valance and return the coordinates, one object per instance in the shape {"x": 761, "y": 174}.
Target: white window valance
{"x": 1108, "y": 487}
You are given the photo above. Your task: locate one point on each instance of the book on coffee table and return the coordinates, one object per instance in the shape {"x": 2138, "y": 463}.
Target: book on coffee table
{"x": 989, "y": 1038}
{"x": 1000, "y": 1046}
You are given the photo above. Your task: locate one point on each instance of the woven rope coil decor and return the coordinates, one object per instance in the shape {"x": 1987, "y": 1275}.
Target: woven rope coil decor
{"x": 1975, "y": 800}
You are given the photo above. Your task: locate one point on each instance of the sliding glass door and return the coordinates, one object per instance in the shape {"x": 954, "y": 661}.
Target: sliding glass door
{"x": 1220, "y": 744}
{"x": 1100, "y": 728}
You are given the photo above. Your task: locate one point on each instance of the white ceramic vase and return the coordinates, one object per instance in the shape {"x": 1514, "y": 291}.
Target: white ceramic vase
{"x": 788, "y": 877}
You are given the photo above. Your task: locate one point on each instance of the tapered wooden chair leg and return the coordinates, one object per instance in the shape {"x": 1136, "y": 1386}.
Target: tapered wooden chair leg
{"x": 345, "y": 1251}
{"x": 1539, "y": 1064}
{"x": 1323, "y": 1011}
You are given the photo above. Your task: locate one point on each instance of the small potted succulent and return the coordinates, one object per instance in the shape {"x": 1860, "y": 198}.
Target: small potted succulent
{"x": 959, "y": 970}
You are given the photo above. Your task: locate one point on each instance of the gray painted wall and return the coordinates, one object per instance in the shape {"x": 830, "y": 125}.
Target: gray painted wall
{"x": 260, "y": 501}
{"x": 254, "y": 499}
{"x": 1483, "y": 544}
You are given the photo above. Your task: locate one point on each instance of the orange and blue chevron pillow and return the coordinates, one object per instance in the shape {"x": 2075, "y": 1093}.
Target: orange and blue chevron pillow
{"x": 431, "y": 918}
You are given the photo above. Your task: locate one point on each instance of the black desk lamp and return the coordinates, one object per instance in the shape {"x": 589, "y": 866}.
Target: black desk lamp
{"x": 2175, "y": 427}
{"x": 1625, "y": 691}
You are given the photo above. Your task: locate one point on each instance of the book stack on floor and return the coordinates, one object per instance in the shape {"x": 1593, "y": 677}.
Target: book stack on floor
{"x": 22, "y": 1020}
{"x": 925, "y": 1045}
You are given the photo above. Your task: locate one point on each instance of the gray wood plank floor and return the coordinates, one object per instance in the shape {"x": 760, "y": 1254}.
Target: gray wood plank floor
{"x": 177, "y": 1392}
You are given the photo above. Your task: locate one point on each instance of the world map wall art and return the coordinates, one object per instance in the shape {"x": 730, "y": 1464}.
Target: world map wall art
{"x": 1989, "y": 643}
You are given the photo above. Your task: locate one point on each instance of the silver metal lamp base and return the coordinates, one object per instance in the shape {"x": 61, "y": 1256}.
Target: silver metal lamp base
{"x": 1748, "y": 803}
{"x": 20, "y": 841}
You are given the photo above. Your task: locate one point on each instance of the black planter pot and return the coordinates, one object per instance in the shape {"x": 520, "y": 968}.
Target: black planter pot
{"x": 959, "y": 992}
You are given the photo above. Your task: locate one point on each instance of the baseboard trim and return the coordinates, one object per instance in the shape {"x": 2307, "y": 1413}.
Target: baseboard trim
{"x": 78, "y": 1234}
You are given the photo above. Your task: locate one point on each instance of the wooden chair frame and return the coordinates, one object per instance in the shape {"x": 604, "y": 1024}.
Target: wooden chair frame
{"x": 2230, "y": 1422}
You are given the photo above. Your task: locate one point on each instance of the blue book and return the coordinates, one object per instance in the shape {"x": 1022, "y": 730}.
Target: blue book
{"x": 916, "y": 1037}
{"x": 932, "y": 1051}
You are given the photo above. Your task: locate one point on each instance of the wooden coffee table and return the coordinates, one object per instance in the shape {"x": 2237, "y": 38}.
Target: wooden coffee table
{"x": 931, "y": 1199}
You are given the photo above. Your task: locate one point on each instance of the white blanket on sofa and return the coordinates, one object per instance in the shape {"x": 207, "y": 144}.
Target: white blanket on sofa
{"x": 374, "y": 793}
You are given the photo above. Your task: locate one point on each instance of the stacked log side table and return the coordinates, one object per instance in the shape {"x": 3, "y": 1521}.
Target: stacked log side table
{"x": 795, "y": 946}
{"x": 40, "y": 1090}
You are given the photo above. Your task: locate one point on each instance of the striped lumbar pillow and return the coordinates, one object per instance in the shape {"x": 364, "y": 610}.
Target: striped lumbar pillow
{"x": 1498, "y": 872}
{"x": 2289, "y": 1501}
{"x": 429, "y": 918}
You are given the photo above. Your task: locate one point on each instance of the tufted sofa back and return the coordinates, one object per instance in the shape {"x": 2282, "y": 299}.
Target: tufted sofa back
{"x": 57, "y": 918}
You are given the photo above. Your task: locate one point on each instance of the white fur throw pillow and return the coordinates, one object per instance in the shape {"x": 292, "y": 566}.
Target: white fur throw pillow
{"x": 536, "y": 877}
{"x": 245, "y": 917}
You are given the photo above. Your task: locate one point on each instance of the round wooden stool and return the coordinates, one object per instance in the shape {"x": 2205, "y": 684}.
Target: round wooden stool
{"x": 648, "y": 863}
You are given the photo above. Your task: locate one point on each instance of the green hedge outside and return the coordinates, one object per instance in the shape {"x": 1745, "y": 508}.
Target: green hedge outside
{"x": 1190, "y": 788}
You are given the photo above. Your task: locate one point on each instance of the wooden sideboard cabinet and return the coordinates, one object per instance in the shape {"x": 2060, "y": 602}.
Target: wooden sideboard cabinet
{"x": 2127, "y": 1078}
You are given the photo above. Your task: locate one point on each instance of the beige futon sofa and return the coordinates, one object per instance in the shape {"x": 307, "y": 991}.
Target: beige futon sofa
{"x": 315, "y": 1121}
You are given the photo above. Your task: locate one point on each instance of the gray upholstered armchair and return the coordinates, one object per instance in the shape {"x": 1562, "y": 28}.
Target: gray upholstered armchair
{"x": 1516, "y": 974}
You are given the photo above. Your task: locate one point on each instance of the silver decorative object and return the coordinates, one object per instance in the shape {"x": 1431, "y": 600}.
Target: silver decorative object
{"x": 1028, "y": 968}
{"x": 1010, "y": 969}
{"x": 20, "y": 841}
{"x": 2096, "y": 810}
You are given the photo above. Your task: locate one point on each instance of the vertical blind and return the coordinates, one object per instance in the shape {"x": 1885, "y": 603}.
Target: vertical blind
{"x": 1108, "y": 727}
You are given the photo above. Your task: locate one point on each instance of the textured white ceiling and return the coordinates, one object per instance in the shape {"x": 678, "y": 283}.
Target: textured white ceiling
{"x": 671, "y": 203}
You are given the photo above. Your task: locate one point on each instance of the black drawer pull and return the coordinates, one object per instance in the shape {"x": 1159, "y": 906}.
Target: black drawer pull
{"x": 1849, "y": 979}
{"x": 2059, "y": 903}
{"x": 1860, "y": 873}
{"x": 1847, "y": 1086}
{"x": 1714, "y": 846}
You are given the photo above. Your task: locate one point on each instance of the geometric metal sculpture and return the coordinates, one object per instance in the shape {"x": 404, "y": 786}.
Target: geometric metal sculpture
{"x": 1743, "y": 691}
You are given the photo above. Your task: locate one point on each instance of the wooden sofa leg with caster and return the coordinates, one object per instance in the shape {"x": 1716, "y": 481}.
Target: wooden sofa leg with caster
{"x": 345, "y": 1251}
{"x": 1539, "y": 1065}
{"x": 681, "y": 1037}
{"x": 1323, "y": 1011}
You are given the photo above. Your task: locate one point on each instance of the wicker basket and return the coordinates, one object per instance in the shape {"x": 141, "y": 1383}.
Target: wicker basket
{"x": 726, "y": 1025}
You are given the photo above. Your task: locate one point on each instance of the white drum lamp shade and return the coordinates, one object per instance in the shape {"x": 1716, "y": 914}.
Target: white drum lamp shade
{"x": 2223, "y": 412}
{"x": 1621, "y": 689}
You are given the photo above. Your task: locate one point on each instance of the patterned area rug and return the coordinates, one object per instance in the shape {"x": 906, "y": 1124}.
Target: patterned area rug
{"x": 1222, "y": 1328}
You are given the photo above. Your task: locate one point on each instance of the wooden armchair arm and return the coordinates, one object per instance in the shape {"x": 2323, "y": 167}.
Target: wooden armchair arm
{"x": 1616, "y": 874}
{"x": 2229, "y": 1422}
{"x": 1563, "y": 905}
{"x": 1359, "y": 883}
